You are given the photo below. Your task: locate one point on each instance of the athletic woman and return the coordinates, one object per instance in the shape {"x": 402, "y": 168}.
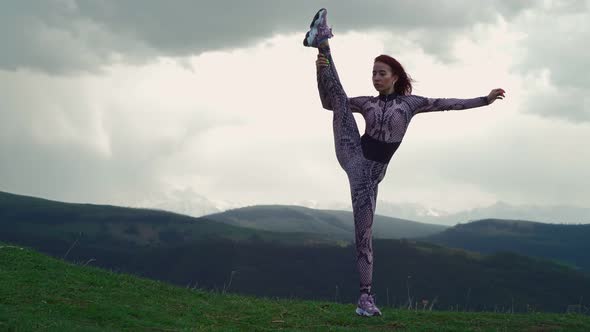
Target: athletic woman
{"x": 365, "y": 159}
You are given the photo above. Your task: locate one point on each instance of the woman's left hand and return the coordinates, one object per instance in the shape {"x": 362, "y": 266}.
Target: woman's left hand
{"x": 496, "y": 94}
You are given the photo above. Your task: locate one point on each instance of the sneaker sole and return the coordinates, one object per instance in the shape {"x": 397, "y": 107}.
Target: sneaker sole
{"x": 313, "y": 27}
{"x": 362, "y": 312}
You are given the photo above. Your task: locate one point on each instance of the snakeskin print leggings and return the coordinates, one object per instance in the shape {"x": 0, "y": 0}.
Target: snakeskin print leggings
{"x": 363, "y": 175}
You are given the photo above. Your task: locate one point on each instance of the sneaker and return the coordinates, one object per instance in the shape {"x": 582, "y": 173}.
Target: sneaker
{"x": 318, "y": 30}
{"x": 366, "y": 306}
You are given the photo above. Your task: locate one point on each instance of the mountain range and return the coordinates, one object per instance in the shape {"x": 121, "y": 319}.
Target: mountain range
{"x": 332, "y": 223}
{"x": 196, "y": 205}
{"x": 565, "y": 214}
{"x": 567, "y": 244}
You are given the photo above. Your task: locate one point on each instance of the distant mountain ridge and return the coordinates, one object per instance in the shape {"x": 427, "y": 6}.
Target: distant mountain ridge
{"x": 30, "y": 218}
{"x": 502, "y": 210}
{"x": 36, "y": 215}
{"x": 286, "y": 218}
{"x": 569, "y": 244}
{"x": 36, "y": 218}
{"x": 499, "y": 210}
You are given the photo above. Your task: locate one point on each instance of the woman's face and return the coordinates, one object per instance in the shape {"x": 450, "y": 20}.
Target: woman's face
{"x": 383, "y": 78}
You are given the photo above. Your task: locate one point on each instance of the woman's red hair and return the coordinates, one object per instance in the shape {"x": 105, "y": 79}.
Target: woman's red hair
{"x": 403, "y": 85}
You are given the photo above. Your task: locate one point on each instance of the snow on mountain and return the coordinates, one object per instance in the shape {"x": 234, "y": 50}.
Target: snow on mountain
{"x": 500, "y": 210}
{"x": 562, "y": 214}
{"x": 186, "y": 202}
{"x": 193, "y": 204}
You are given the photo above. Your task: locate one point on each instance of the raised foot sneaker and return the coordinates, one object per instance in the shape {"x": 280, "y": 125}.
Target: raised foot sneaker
{"x": 366, "y": 306}
{"x": 318, "y": 30}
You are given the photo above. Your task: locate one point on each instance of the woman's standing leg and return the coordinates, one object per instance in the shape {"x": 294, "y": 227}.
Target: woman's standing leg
{"x": 364, "y": 182}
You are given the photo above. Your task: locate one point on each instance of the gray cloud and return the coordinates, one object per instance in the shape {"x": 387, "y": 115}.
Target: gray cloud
{"x": 559, "y": 47}
{"x": 76, "y": 169}
{"x": 516, "y": 167}
{"x": 567, "y": 103}
{"x": 62, "y": 36}
{"x": 57, "y": 141}
{"x": 62, "y": 171}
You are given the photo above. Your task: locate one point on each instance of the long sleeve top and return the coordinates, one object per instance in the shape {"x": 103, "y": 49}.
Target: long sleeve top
{"x": 387, "y": 117}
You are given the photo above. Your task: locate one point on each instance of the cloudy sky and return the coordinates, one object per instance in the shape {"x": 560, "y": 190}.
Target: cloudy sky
{"x": 131, "y": 102}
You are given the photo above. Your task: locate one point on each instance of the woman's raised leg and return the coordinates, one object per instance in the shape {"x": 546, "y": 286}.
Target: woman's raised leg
{"x": 347, "y": 138}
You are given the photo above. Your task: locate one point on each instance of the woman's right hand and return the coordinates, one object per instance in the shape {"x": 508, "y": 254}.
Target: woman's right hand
{"x": 496, "y": 94}
{"x": 322, "y": 61}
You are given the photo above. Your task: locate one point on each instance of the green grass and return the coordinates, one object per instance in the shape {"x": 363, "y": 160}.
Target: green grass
{"x": 38, "y": 292}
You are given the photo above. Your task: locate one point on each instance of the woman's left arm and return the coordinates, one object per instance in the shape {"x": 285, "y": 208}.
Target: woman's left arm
{"x": 421, "y": 104}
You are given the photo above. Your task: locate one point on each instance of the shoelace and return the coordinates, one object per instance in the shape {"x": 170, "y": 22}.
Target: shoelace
{"x": 325, "y": 30}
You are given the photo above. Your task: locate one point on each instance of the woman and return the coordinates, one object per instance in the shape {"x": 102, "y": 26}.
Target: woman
{"x": 365, "y": 159}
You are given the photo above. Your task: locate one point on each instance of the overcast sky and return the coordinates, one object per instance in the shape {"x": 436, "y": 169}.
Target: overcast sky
{"x": 127, "y": 102}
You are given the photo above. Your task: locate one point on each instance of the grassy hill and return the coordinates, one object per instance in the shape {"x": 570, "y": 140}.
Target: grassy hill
{"x": 42, "y": 293}
{"x": 566, "y": 243}
{"x": 334, "y": 223}
{"x": 404, "y": 271}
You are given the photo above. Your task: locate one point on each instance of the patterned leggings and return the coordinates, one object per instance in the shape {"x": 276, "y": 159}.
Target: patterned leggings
{"x": 363, "y": 175}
